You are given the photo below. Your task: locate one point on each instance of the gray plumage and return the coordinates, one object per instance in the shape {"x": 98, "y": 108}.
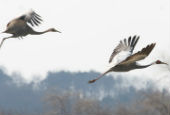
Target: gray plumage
{"x": 130, "y": 61}
{"x": 19, "y": 28}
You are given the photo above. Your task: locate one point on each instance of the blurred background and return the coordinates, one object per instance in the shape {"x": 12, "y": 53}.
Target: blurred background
{"x": 48, "y": 74}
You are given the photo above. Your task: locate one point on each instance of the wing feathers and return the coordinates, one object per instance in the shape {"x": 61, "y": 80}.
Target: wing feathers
{"x": 140, "y": 54}
{"x": 32, "y": 18}
{"x": 135, "y": 40}
{"x": 129, "y": 40}
{"x": 125, "y": 42}
{"x": 124, "y": 45}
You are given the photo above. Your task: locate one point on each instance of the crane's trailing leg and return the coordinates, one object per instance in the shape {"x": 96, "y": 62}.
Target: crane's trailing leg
{"x": 92, "y": 81}
{"x": 4, "y": 40}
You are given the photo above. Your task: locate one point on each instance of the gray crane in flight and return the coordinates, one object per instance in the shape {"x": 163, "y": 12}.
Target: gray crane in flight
{"x": 19, "y": 27}
{"x": 129, "y": 61}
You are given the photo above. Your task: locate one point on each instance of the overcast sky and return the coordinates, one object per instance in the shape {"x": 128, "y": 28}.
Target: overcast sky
{"x": 90, "y": 31}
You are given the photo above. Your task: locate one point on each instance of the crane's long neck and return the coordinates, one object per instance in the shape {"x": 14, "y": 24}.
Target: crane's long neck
{"x": 144, "y": 66}
{"x": 33, "y": 32}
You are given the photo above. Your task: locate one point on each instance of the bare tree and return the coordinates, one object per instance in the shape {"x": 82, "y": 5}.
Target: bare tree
{"x": 59, "y": 103}
{"x": 71, "y": 103}
{"x": 90, "y": 107}
{"x": 148, "y": 103}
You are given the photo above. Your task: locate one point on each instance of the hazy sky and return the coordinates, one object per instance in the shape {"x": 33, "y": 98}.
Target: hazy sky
{"x": 90, "y": 31}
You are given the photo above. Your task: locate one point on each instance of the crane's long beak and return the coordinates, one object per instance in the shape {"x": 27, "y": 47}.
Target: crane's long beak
{"x": 57, "y": 31}
{"x": 163, "y": 63}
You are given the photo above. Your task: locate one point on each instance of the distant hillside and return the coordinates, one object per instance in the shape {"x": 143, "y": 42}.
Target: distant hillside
{"x": 27, "y": 98}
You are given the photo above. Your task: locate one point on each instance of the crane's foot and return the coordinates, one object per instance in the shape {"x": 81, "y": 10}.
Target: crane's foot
{"x": 92, "y": 81}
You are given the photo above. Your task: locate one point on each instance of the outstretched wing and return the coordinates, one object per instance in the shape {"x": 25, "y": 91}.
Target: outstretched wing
{"x": 140, "y": 54}
{"x": 125, "y": 45}
{"x": 32, "y": 18}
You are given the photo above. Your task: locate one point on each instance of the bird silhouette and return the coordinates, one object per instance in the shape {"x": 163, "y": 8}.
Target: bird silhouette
{"x": 19, "y": 27}
{"x": 128, "y": 61}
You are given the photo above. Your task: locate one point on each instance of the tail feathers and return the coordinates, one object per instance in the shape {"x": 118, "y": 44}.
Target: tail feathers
{"x": 92, "y": 81}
